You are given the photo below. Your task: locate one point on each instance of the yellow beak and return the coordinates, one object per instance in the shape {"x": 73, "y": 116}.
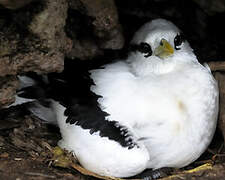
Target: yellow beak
{"x": 164, "y": 49}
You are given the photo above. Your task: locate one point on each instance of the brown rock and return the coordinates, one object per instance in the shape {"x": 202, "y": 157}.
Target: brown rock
{"x": 41, "y": 45}
{"x": 217, "y": 65}
{"x": 33, "y": 61}
{"x": 212, "y": 6}
{"x": 102, "y": 23}
{"x": 14, "y": 4}
{"x": 220, "y": 77}
{"x": 106, "y": 23}
{"x": 8, "y": 86}
{"x": 31, "y": 39}
{"x": 84, "y": 49}
{"x": 49, "y": 24}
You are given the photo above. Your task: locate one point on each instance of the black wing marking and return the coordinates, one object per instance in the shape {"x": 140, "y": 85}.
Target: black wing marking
{"x": 72, "y": 89}
{"x": 93, "y": 118}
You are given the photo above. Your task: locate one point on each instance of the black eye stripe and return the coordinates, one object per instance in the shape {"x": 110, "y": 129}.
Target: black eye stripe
{"x": 178, "y": 40}
{"x": 143, "y": 47}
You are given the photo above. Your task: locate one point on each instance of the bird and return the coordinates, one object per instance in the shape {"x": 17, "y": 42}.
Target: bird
{"x": 156, "y": 108}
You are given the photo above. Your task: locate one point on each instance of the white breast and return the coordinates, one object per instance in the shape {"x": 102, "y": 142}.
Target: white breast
{"x": 175, "y": 113}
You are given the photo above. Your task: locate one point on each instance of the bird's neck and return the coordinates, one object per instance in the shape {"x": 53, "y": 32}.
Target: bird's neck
{"x": 142, "y": 66}
{"x": 145, "y": 67}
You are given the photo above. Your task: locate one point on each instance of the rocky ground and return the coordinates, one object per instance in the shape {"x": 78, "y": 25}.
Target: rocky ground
{"x": 38, "y": 36}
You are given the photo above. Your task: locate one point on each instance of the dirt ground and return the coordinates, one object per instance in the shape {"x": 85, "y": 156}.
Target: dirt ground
{"x": 26, "y": 152}
{"x": 25, "y": 148}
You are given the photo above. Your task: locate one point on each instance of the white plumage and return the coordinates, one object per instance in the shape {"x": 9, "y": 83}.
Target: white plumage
{"x": 167, "y": 100}
{"x": 170, "y": 104}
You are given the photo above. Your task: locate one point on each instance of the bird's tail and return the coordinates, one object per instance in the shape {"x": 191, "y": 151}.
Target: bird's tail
{"x": 33, "y": 93}
{"x": 43, "y": 112}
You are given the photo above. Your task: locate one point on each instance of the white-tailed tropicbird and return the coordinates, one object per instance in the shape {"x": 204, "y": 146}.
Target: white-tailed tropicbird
{"x": 158, "y": 108}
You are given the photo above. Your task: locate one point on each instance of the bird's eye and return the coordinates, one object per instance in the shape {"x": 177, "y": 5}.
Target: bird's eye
{"x": 145, "y": 48}
{"x": 178, "y": 40}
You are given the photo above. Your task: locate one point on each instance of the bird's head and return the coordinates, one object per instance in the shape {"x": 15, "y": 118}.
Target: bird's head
{"x": 158, "y": 46}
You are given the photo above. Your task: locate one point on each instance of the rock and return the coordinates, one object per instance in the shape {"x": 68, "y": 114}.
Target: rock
{"x": 99, "y": 19}
{"x": 212, "y": 6}
{"x": 84, "y": 49}
{"x": 32, "y": 39}
{"x": 49, "y": 25}
{"x": 14, "y": 4}
{"x": 2, "y": 141}
{"x": 106, "y": 25}
{"x": 220, "y": 77}
{"x": 8, "y": 86}
{"x": 35, "y": 40}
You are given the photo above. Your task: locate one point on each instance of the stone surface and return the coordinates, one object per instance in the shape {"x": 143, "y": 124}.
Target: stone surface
{"x": 220, "y": 77}
{"x": 211, "y": 6}
{"x": 99, "y": 20}
{"x": 8, "y": 86}
{"x": 34, "y": 40}
{"x": 105, "y": 23}
{"x": 14, "y": 4}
